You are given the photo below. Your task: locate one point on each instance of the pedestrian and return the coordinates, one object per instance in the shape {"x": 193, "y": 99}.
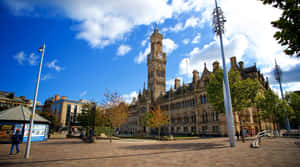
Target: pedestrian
{"x": 237, "y": 135}
{"x": 15, "y": 139}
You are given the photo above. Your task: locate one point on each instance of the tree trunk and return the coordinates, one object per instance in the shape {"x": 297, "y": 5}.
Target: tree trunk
{"x": 110, "y": 134}
{"x": 159, "y": 133}
{"x": 278, "y": 128}
{"x": 241, "y": 127}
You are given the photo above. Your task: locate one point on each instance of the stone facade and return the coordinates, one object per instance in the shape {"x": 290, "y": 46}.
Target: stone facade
{"x": 9, "y": 100}
{"x": 187, "y": 104}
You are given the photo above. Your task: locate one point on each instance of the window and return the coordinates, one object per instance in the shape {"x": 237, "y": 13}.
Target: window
{"x": 206, "y": 116}
{"x": 185, "y": 129}
{"x": 205, "y": 99}
{"x": 177, "y": 129}
{"x": 213, "y": 116}
{"x": 217, "y": 116}
{"x": 193, "y": 129}
{"x": 68, "y": 114}
{"x": 201, "y": 97}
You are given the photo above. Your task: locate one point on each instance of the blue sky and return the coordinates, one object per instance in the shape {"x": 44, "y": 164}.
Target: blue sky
{"x": 94, "y": 45}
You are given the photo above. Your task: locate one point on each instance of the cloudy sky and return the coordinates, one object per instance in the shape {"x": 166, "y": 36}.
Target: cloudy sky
{"x": 94, "y": 45}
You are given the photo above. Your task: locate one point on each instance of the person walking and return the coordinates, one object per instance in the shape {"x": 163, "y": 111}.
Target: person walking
{"x": 15, "y": 142}
{"x": 237, "y": 135}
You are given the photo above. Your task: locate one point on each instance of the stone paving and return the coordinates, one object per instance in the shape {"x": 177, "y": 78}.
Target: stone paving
{"x": 148, "y": 153}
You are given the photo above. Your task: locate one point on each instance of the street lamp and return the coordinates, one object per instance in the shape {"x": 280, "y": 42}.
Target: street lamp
{"x": 278, "y": 74}
{"x": 218, "y": 21}
{"x": 27, "y": 151}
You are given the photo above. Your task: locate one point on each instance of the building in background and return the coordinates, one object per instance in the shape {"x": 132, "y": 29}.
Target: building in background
{"x": 188, "y": 106}
{"x": 9, "y": 100}
{"x": 65, "y": 110}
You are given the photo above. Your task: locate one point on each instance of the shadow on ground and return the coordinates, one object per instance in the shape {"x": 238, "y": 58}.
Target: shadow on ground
{"x": 177, "y": 146}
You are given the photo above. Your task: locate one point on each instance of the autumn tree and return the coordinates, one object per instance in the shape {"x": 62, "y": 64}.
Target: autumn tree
{"x": 157, "y": 118}
{"x": 116, "y": 111}
{"x": 243, "y": 93}
{"x": 288, "y": 25}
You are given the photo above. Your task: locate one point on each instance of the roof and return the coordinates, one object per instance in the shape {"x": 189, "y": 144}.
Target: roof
{"x": 20, "y": 113}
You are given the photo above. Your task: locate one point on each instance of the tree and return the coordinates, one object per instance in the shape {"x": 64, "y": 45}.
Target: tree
{"x": 288, "y": 25}
{"x": 116, "y": 111}
{"x": 157, "y": 118}
{"x": 91, "y": 116}
{"x": 243, "y": 93}
{"x": 274, "y": 109}
{"x": 53, "y": 122}
{"x": 293, "y": 100}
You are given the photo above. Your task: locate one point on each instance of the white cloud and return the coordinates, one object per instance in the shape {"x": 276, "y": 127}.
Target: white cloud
{"x": 20, "y": 57}
{"x": 123, "y": 49}
{"x": 83, "y": 93}
{"x": 143, "y": 43}
{"x": 192, "y": 22}
{"x": 177, "y": 27}
{"x": 186, "y": 41}
{"x": 196, "y": 39}
{"x": 169, "y": 45}
{"x": 46, "y": 77}
{"x": 287, "y": 87}
{"x": 142, "y": 55}
{"x": 128, "y": 97}
{"x": 32, "y": 59}
{"x": 53, "y": 65}
{"x": 236, "y": 46}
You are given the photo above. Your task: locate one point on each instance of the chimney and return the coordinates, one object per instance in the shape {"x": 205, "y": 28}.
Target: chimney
{"x": 56, "y": 97}
{"x": 215, "y": 66}
{"x": 241, "y": 64}
{"x": 177, "y": 83}
{"x": 233, "y": 63}
{"x": 195, "y": 76}
{"x": 63, "y": 97}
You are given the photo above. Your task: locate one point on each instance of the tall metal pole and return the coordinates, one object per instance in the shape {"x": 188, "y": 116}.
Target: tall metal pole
{"x": 27, "y": 152}
{"x": 219, "y": 29}
{"x": 278, "y": 75}
{"x": 170, "y": 113}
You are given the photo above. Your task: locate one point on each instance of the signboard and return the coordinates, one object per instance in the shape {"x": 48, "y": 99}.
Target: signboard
{"x": 39, "y": 132}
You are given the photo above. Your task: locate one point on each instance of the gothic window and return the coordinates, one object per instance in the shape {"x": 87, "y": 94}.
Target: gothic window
{"x": 213, "y": 116}
{"x": 206, "y": 116}
{"x": 201, "y": 99}
{"x": 203, "y": 117}
{"x": 217, "y": 116}
{"x": 205, "y": 99}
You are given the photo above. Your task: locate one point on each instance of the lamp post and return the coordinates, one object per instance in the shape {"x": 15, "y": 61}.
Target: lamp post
{"x": 278, "y": 74}
{"x": 218, "y": 21}
{"x": 27, "y": 151}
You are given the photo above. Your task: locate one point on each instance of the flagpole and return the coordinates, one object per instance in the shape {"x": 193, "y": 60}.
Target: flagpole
{"x": 27, "y": 152}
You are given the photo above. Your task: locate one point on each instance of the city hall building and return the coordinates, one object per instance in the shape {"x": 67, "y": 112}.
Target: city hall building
{"x": 187, "y": 104}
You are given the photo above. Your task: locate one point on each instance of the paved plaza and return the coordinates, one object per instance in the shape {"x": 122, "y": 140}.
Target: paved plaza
{"x": 149, "y": 153}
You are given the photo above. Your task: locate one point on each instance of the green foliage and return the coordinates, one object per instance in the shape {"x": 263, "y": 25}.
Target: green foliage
{"x": 272, "y": 108}
{"x": 54, "y": 124}
{"x": 215, "y": 91}
{"x": 293, "y": 100}
{"x": 243, "y": 92}
{"x": 288, "y": 25}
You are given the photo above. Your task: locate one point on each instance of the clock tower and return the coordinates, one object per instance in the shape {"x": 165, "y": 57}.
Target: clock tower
{"x": 156, "y": 62}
